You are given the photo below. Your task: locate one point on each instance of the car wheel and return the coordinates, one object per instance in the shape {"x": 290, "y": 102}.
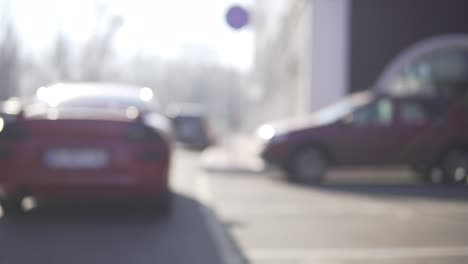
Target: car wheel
{"x": 435, "y": 175}
{"x": 455, "y": 166}
{"x": 309, "y": 166}
{"x": 12, "y": 206}
{"x": 431, "y": 174}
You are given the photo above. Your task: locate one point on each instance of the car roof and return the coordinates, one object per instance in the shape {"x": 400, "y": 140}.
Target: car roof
{"x": 90, "y": 88}
{"x": 63, "y": 91}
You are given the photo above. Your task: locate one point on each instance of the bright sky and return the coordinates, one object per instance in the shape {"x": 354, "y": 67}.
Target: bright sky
{"x": 170, "y": 29}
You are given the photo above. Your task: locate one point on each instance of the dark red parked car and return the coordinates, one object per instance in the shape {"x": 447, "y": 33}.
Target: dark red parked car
{"x": 368, "y": 129}
{"x": 86, "y": 141}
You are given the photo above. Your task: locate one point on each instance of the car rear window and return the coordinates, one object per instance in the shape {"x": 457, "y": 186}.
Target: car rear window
{"x": 103, "y": 103}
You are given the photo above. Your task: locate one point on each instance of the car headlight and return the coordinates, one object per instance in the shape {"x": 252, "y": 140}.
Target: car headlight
{"x": 266, "y": 132}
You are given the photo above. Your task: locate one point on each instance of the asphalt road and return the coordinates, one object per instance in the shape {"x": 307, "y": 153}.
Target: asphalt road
{"x": 113, "y": 233}
{"x": 359, "y": 216}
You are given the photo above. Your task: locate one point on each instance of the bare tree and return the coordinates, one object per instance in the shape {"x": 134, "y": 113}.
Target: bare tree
{"x": 61, "y": 58}
{"x": 98, "y": 48}
{"x": 9, "y": 54}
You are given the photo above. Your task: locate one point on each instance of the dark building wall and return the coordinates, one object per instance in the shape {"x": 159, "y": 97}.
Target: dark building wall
{"x": 380, "y": 29}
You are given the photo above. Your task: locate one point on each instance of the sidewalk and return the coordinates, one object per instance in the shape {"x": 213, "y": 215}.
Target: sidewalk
{"x": 235, "y": 154}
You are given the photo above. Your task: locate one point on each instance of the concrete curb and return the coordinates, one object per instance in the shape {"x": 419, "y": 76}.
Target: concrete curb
{"x": 228, "y": 249}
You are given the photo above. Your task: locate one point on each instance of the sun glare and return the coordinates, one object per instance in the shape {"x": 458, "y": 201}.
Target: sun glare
{"x": 162, "y": 28}
{"x": 146, "y": 94}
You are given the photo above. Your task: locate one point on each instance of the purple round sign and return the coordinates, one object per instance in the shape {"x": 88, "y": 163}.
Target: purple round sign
{"x": 237, "y": 17}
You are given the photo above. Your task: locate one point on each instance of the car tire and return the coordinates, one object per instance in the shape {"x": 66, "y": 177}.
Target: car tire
{"x": 455, "y": 166}
{"x": 430, "y": 174}
{"x": 12, "y": 206}
{"x": 309, "y": 166}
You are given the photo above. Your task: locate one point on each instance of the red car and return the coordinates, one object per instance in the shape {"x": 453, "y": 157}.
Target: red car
{"x": 86, "y": 141}
{"x": 368, "y": 129}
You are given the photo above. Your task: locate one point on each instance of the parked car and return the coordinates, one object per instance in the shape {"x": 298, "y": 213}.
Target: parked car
{"x": 86, "y": 141}
{"x": 191, "y": 126}
{"x": 370, "y": 129}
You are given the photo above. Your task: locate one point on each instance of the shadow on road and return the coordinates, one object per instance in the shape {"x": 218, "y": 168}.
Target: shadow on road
{"x": 428, "y": 191}
{"x": 108, "y": 233}
{"x": 386, "y": 182}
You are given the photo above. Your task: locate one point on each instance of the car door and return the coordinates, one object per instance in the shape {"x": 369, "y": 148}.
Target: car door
{"x": 422, "y": 131}
{"x": 368, "y": 136}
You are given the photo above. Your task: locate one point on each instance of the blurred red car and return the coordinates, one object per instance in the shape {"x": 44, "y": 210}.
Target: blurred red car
{"x": 368, "y": 129}
{"x": 86, "y": 141}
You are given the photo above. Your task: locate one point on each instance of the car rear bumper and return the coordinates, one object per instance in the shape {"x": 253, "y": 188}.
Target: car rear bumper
{"x": 145, "y": 181}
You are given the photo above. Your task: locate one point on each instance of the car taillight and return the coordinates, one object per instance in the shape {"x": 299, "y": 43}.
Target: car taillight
{"x": 142, "y": 133}
{"x": 14, "y": 131}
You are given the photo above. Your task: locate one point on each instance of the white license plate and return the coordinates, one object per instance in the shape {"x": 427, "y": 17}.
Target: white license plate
{"x": 76, "y": 158}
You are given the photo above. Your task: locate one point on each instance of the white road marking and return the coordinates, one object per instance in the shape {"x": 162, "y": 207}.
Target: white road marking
{"x": 226, "y": 247}
{"x": 357, "y": 254}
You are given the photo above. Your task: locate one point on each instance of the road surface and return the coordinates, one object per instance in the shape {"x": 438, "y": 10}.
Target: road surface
{"x": 358, "y": 216}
